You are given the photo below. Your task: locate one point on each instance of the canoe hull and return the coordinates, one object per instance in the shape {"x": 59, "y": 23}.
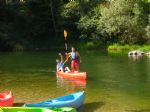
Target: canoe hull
{"x": 6, "y": 99}
{"x": 61, "y": 81}
{"x": 73, "y": 100}
{"x": 80, "y": 75}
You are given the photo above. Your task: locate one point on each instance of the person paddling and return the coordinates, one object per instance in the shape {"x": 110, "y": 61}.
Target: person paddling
{"x": 75, "y": 58}
{"x": 60, "y": 64}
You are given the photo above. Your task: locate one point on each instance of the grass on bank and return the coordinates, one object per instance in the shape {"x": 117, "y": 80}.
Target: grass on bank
{"x": 121, "y": 48}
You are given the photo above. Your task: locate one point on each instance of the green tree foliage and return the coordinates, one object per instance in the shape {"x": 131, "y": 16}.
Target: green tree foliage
{"x": 71, "y": 10}
{"x": 122, "y": 21}
{"x": 31, "y": 24}
{"x": 71, "y": 14}
{"x": 75, "y": 13}
{"x": 148, "y": 29}
{"x": 88, "y": 24}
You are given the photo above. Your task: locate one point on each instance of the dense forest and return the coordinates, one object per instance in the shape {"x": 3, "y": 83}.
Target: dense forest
{"x": 39, "y": 24}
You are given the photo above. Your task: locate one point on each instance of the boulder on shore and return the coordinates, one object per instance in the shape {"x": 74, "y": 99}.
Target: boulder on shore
{"x": 136, "y": 53}
{"x": 148, "y": 53}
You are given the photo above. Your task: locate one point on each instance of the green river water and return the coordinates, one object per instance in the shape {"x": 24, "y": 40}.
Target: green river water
{"x": 115, "y": 83}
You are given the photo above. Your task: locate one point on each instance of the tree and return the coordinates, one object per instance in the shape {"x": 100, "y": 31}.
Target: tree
{"x": 76, "y": 12}
{"x": 122, "y": 21}
{"x": 125, "y": 19}
{"x": 148, "y": 29}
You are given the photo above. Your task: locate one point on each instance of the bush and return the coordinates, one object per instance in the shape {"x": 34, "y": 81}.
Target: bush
{"x": 120, "y": 48}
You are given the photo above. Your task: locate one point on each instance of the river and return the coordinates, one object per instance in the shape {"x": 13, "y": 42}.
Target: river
{"x": 115, "y": 82}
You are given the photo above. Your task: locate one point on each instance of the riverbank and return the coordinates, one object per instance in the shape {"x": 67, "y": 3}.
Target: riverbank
{"x": 125, "y": 48}
{"x": 115, "y": 48}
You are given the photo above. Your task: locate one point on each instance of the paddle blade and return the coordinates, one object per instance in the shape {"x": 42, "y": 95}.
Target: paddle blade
{"x": 65, "y": 34}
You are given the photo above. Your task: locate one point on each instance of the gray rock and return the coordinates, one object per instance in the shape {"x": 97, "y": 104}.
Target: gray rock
{"x": 136, "y": 53}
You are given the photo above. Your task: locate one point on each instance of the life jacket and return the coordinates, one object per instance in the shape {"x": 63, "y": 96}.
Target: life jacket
{"x": 60, "y": 65}
{"x": 74, "y": 56}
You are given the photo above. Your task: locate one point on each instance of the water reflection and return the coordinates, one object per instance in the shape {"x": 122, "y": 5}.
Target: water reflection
{"x": 70, "y": 84}
{"x": 135, "y": 58}
{"x": 148, "y": 56}
{"x": 91, "y": 107}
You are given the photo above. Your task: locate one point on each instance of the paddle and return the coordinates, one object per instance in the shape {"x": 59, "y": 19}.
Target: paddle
{"x": 67, "y": 57}
{"x": 65, "y": 36}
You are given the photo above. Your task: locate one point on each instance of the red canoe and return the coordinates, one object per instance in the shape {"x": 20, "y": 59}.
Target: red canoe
{"x": 75, "y": 75}
{"x": 6, "y": 99}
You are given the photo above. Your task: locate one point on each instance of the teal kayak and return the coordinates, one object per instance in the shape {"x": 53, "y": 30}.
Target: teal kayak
{"x": 74, "y": 100}
{"x": 35, "y": 109}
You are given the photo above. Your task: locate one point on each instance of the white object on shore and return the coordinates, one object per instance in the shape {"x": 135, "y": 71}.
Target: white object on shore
{"x": 148, "y": 53}
{"x": 136, "y": 53}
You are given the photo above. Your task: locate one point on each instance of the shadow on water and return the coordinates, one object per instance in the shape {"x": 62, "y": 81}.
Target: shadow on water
{"x": 141, "y": 110}
{"x": 18, "y": 104}
{"x": 90, "y": 107}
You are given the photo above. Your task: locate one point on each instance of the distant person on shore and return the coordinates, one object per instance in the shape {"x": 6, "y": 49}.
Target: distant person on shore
{"x": 60, "y": 64}
{"x": 75, "y": 59}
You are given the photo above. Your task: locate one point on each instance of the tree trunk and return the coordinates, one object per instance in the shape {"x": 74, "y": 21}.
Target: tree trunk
{"x": 53, "y": 18}
{"x": 3, "y": 2}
